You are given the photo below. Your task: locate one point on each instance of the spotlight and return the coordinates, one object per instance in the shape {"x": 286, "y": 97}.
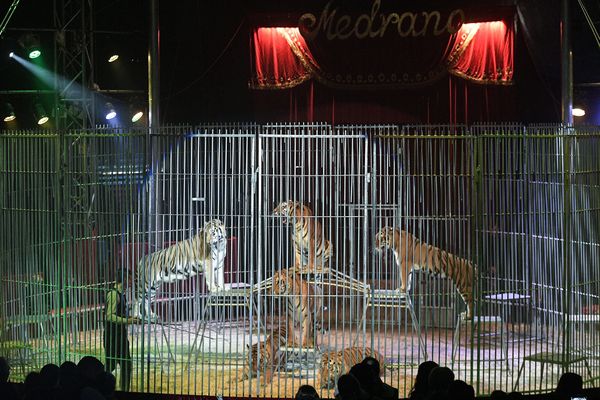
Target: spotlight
{"x": 113, "y": 58}
{"x": 110, "y": 111}
{"x": 578, "y": 112}
{"x": 11, "y": 54}
{"x": 8, "y": 112}
{"x": 137, "y": 116}
{"x": 31, "y": 44}
{"x": 40, "y": 114}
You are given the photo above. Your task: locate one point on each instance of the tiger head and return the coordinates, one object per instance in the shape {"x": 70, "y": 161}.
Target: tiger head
{"x": 282, "y": 282}
{"x": 331, "y": 369}
{"x": 291, "y": 208}
{"x": 385, "y": 238}
{"x": 214, "y": 232}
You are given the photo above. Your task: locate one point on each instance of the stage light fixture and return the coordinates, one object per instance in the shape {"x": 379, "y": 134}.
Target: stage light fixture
{"x": 578, "y": 112}
{"x": 110, "y": 111}
{"x": 137, "y": 116}
{"x": 11, "y": 54}
{"x": 31, "y": 44}
{"x": 113, "y": 58}
{"x": 40, "y": 114}
{"x": 8, "y": 112}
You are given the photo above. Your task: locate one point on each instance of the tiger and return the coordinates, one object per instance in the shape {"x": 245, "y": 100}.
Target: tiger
{"x": 205, "y": 252}
{"x": 311, "y": 249}
{"x": 304, "y": 303}
{"x": 336, "y": 363}
{"x": 411, "y": 253}
{"x": 262, "y": 355}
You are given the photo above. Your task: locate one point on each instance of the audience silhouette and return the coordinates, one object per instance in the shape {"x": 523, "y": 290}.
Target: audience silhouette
{"x": 88, "y": 380}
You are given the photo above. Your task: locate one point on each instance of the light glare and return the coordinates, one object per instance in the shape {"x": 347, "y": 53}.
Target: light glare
{"x": 111, "y": 115}
{"x": 136, "y": 117}
{"x": 11, "y": 54}
{"x": 9, "y": 118}
{"x": 42, "y": 120}
{"x": 35, "y": 54}
{"x": 578, "y": 112}
{"x": 113, "y": 58}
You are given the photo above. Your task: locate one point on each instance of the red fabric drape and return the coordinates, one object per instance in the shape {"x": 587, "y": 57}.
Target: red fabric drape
{"x": 481, "y": 52}
{"x": 275, "y": 64}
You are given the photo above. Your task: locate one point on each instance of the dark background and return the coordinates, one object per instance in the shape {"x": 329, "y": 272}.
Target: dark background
{"x": 205, "y": 58}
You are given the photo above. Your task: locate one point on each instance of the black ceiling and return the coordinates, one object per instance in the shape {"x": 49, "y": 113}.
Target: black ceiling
{"x": 204, "y": 49}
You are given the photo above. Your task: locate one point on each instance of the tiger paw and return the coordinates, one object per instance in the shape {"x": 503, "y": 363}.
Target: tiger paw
{"x": 466, "y": 316}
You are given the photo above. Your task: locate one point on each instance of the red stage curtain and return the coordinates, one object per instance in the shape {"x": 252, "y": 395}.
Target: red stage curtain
{"x": 275, "y": 65}
{"x": 481, "y": 52}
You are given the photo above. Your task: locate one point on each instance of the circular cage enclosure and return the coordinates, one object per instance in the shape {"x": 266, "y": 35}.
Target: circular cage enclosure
{"x": 260, "y": 258}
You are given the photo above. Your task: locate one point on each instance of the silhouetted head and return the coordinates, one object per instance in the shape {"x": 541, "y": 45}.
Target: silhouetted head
{"x": 32, "y": 381}
{"x": 89, "y": 369}
{"x": 364, "y": 375}
{"x": 349, "y": 388}
{"x": 306, "y": 392}
{"x": 50, "y": 376}
{"x": 461, "y": 390}
{"x": 422, "y": 380}
{"x": 4, "y": 370}
{"x": 569, "y": 384}
{"x": 439, "y": 379}
{"x": 498, "y": 395}
{"x": 373, "y": 364}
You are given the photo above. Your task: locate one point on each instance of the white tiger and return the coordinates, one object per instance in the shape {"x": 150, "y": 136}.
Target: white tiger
{"x": 205, "y": 252}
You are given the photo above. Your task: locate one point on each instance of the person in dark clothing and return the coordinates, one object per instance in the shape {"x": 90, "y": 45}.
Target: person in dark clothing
{"x": 421, "y": 387}
{"x": 116, "y": 343}
{"x": 569, "y": 385}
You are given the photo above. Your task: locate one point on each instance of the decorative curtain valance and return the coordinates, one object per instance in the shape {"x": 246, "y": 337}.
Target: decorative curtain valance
{"x": 481, "y": 52}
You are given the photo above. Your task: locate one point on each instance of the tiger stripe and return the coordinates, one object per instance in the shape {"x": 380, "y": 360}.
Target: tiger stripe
{"x": 336, "y": 363}
{"x": 205, "y": 252}
{"x": 303, "y": 303}
{"x": 311, "y": 250}
{"x": 411, "y": 253}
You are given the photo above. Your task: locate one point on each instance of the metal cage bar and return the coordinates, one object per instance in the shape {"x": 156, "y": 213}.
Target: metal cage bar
{"x": 305, "y": 270}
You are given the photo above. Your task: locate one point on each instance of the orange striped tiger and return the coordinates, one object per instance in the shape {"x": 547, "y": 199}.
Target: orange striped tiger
{"x": 336, "y": 363}
{"x": 411, "y": 253}
{"x": 262, "y": 356}
{"x": 205, "y": 252}
{"x": 311, "y": 249}
{"x": 303, "y": 303}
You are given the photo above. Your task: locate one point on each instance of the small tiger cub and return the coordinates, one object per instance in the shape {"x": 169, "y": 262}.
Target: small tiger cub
{"x": 336, "y": 363}
{"x": 262, "y": 355}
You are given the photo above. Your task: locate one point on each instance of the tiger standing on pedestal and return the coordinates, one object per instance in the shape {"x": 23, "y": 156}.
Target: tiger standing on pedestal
{"x": 312, "y": 250}
{"x": 411, "y": 253}
{"x": 205, "y": 252}
{"x": 336, "y": 363}
{"x": 303, "y": 302}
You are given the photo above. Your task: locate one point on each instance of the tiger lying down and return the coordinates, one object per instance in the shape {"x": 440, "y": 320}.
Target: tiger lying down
{"x": 205, "y": 252}
{"x": 336, "y": 363}
{"x": 261, "y": 357}
{"x": 411, "y": 253}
